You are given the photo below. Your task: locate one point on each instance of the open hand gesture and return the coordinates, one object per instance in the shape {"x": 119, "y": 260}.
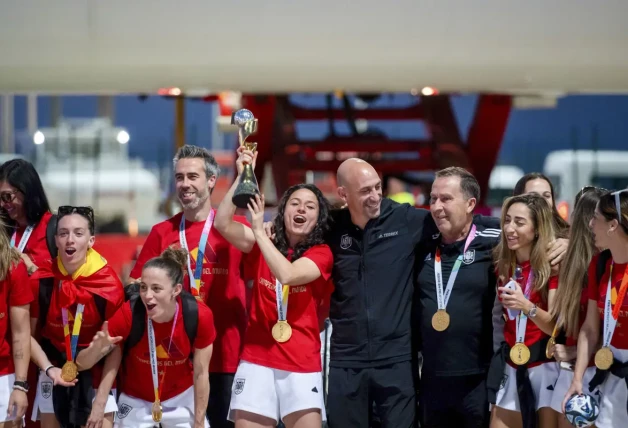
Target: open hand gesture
{"x": 256, "y": 208}
{"x": 102, "y": 340}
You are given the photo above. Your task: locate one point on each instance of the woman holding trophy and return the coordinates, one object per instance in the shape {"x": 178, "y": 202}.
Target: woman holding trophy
{"x": 279, "y": 375}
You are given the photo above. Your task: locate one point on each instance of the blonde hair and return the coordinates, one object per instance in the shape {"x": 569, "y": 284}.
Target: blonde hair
{"x": 573, "y": 270}
{"x": 9, "y": 257}
{"x": 541, "y": 215}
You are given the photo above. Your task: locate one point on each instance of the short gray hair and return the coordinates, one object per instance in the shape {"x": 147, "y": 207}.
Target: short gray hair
{"x": 468, "y": 183}
{"x": 191, "y": 152}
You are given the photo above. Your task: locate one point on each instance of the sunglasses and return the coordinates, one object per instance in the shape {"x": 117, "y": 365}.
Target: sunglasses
{"x": 618, "y": 203}
{"x": 86, "y": 212}
{"x": 585, "y": 189}
{"x": 7, "y": 197}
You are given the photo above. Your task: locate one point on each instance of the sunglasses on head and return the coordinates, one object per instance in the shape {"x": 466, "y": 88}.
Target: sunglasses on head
{"x": 618, "y": 203}
{"x": 585, "y": 189}
{"x": 7, "y": 196}
{"x": 86, "y": 212}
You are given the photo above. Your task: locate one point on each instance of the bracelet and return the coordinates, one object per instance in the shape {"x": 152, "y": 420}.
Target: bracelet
{"x": 48, "y": 368}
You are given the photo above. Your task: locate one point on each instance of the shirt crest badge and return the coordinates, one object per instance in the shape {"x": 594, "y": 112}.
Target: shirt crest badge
{"x": 469, "y": 257}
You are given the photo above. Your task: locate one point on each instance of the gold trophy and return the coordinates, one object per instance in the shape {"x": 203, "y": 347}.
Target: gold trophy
{"x": 247, "y": 187}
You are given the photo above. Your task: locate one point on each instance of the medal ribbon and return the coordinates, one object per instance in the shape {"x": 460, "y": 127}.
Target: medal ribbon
{"x": 71, "y": 343}
{"x": 281, "y": 295}
{"x": 522, "y": 321}
{"x": 23, "y": 240}
{"x": 152, "y": 350}
{"x": 443, "y": 296}
{"x": 195, "y": 276}
{"x": 611, "y": 315}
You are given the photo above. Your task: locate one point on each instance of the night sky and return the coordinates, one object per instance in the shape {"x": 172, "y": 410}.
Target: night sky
{"x": 530, "y": 134}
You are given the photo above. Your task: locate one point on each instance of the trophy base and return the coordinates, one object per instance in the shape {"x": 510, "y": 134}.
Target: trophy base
{"x": 243, "y": 194}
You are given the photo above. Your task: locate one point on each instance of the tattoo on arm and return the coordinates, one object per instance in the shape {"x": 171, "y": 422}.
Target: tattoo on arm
{"x": 18, "y": 354}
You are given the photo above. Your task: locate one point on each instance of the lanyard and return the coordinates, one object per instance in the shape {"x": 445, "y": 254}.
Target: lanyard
{"x": 152, "y": 350}
{"x": 611, "y": 315}
{"x": 443, "y": 296}
{"x": 522, "y": 320}
{"x": 195, "y": 276}
{"x": 281, "y": 296}
{"x": 71, "y": 343}
{"x": 23, "y": 240}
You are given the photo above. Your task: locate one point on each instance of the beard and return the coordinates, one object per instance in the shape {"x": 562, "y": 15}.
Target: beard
{"x": 197, "y": 202}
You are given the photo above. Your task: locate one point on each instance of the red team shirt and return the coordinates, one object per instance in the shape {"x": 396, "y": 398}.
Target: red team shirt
{"x": 533, "y": 332}
{"x": 12, "y": 293}
{"x": 175, "y": 368}
{"x": 597, "y": 292}
{"x": 37, "y": 249}
{"x": 302, "y": 352}
{"x": 222, "y": 286}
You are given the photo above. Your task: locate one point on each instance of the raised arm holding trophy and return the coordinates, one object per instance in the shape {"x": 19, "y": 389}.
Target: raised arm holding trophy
{"x": 247, "y": 187}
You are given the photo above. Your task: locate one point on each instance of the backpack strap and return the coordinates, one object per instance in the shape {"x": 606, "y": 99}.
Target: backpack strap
{"x": 189, "y": 305}
{"x": 51, "y": 231}
{"x": 101, "y": 306}
{"x": 45, "y": 296}
{"x": 601, "y": 264}
{"x": 138, "y": 323}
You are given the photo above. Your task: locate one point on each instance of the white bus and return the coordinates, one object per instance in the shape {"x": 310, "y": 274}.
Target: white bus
{"x": 571, "y": 170}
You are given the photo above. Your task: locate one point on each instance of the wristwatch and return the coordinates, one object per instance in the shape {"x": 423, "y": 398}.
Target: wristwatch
{"x": 532, "y": 312}
{"x": 22, "y": 385}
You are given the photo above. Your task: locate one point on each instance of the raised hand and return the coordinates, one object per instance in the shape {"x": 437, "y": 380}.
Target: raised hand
{"x": 102, "y": 340}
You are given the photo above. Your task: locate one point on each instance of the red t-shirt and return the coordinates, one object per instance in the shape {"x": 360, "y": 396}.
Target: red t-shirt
{"x": 222, "y": 287}
{"x": 302, "y": 352}
{"x": 533, "y": 332}
{"x": 175, "y": 367}
{"x": 37, "y": 250}
{"x": 597, "y": 292}
{"x": 12, "y": 293}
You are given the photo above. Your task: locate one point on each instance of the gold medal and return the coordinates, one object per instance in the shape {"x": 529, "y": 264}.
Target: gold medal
{"x": 157, "y": 411}
{"x": 604, "y": 358}
{"x": 519, "y": 354}
{"x": 282, "y": 332}
{"x": 549, "y": 352}
{"x": 440, "y": 320}
{"x": 69, "y": 371}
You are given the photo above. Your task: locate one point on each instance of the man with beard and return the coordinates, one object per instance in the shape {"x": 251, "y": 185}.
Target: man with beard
{"x": 213, "y": 269}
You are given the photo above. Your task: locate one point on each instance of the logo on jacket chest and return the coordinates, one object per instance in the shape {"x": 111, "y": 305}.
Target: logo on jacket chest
{"x": 468, "y": 257}
{"x": 345, "y": 242}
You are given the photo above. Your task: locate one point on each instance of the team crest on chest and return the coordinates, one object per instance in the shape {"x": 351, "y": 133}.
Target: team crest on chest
{"x": 468, "y": 257}
{"x": 345, "y": 242}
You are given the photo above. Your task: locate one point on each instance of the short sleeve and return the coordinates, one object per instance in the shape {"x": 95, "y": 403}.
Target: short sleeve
{"x": 321, "y": 256}
{"x": 553, "y": 282}
{"x": 420, "y": 223}
{"x": 592, "y": 284}
{"x": 120, "y": 323}
{"x": 20, "y": 288}
{"x": 206, "y": 333}
{"x": 151, "y": 248}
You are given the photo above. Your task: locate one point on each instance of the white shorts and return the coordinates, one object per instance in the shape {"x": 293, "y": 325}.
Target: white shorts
{"x": 542, "y": 378}
{"x": 613, "y": 396}
{"x": 6, "y": 388}
{"x": 564, "y": 382}
{"x": 275, "y": 393}
{"x": 178, "y": 412}
{"x": 43, "y": 398}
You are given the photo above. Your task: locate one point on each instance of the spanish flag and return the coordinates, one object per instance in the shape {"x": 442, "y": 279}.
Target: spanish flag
{"x": 95, "y": 276}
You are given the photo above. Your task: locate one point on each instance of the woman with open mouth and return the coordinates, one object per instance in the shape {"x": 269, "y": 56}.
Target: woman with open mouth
{"x": 167, "y": 337}
{"x": 70, "y": 309}
{"x": 520, "y": 371}
{"x": 279, "y": 375}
